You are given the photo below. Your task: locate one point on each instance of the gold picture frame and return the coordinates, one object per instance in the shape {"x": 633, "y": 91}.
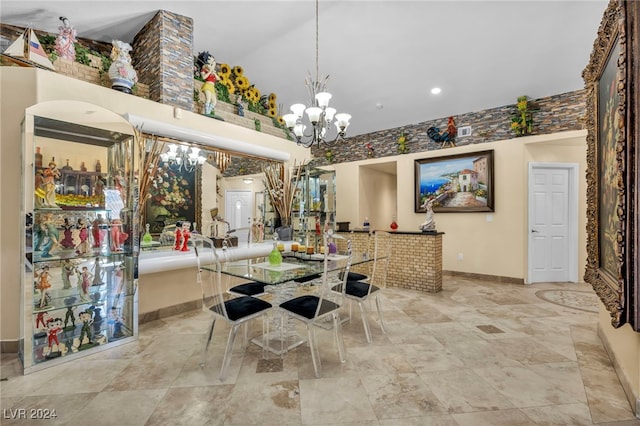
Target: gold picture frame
{"x": 612, "y": 165}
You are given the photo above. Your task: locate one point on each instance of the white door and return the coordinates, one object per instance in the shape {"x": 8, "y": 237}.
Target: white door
{"x": 238, "y": 208}
{"x": 552, "y": 223}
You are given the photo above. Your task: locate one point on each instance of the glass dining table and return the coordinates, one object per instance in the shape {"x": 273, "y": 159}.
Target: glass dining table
{"x": 297, "y": 272}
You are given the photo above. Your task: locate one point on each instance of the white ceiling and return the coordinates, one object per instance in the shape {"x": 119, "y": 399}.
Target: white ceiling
{"x": 383, "y": 57}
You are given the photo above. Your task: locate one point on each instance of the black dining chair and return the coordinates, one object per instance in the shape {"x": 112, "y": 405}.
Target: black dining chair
{"x": 313, "y": 309}
{"x": 236, "y": 311}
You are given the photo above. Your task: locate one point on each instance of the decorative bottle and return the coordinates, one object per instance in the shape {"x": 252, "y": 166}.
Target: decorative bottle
{"x": 394, "y": 224}
{"x": 83, "y": 168}
{"x": 366, "y": 224}
{"x": 275, "y": 257}
{"x": 147, "y": 238}
{"x": 38, "y": 160}
{"x": 98, "y": 167}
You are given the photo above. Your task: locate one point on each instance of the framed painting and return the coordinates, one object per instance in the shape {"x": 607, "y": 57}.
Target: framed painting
{"x": 456, "y": 183}
{"x": 174, "y": 196}
{"x": 612, "y": 166}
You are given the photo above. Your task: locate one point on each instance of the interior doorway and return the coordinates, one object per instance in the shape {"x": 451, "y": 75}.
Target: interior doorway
{"x": 553, "y": 222}
{"x": 238, "y": 212}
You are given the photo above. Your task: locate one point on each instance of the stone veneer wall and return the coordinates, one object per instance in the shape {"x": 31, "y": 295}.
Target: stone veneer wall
{"x": 552, "y": 114}
{"x": 416, "y": 259}
{"x": 163, "y": 57}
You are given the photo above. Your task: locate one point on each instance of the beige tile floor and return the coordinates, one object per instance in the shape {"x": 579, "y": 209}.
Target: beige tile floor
{"x": 478, "y": 353}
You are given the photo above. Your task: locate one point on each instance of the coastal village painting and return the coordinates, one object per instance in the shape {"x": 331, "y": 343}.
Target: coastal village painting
{"x": 456, "y": 183}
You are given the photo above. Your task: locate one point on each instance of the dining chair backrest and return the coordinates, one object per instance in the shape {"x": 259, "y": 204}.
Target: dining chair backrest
{"x": 326, "y": 285}
{"x": 381, "y": 258}
{"x": 209, "y": 279}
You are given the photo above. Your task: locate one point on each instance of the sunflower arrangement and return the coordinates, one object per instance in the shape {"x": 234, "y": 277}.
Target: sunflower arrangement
{"x": 522, "y": 120}
{"x": 234, "y": 81}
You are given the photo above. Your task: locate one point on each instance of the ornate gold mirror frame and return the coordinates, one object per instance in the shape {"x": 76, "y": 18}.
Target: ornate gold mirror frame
{"x": 612, "y": 204}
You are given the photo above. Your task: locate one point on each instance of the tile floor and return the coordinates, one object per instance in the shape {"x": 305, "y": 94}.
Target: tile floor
{"x": 478, "y": 353}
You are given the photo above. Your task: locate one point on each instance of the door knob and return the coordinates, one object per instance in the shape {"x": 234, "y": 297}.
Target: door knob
{"x": 533, "y": 230}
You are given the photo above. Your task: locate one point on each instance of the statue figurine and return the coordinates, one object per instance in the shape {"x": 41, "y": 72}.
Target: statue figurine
{"x": 67, "y": 270}
{"x": 84, "y": 282}
{"x": 429, "y": 224}
{"x": 44, "y": 284}
{"x": 84, "y": 246}
{"x": 69, "y": 315}
{"x": 97, "y": 231}
{"x": 97, "y": 272}
{"x": 121, "y": 72}
{"x": 118, "y": 237}
{"x": 186, "y": 233}
{"x": 67, "y": 241}
{"x": 50, "y": 174}
{"x": 86, "y": 317}
{"x": 54, "y": 327}
{"x": 208, "y": 74}
{"x": 65, "y": 47}
{"x": 178, "y": 236}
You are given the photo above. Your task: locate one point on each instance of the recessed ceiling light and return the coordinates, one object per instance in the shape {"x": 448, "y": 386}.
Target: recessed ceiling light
{"x": 436, "y": 90}
{"x": 379, "y": 105}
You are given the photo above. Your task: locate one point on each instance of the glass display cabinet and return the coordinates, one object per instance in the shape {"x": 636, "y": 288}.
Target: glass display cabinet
{"x": 81, "y": 244}
{"x": 315, "y": 203}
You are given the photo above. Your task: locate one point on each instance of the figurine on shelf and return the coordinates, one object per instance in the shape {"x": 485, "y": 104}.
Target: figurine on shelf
{"x": 84, "y": 246}
{"x": 121, "y": 184}
{"x": 69, "y": 315}
{"x": 97, "y": 272}
{"x": 115, "y": 323}
{"x": 67, "y": 269}
{"x": 51, "y": 173}
{"x": 98, "y": 231}
{"x": 186, "y": 233}
{"x": 65, "y": 47}
{"x": 38, "y": 199}
{"x": 429, "y": 224}
{"x": 84, "y": 282}
{"x": 118, "y": 237}
{"x": 208, "y": 74}
{"x": 118, "y": 277}
{"x": 318, "y": 230}
{"x": 98, "y": 190}
{"x": 41, "y": 324}
{"x": 44, "y": 284}
{"x": 86, "y": 317}
{"x": 54, "y": 327}
{"x": 67, "y": 232}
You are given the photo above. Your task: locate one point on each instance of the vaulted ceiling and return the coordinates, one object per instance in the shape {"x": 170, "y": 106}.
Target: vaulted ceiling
{"x": 383, "y": 57}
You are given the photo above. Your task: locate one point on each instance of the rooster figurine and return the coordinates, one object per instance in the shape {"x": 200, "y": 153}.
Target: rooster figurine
{"x": 445, "y": 137}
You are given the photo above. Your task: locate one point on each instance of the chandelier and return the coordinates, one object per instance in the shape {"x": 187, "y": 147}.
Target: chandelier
{"x": 320, "y": 115}
{"x": 179, "y": 157}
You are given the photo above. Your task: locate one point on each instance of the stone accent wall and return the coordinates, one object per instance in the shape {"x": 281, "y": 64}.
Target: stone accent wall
{"x": 163, "y": 57}
{"x": 93, "y": 74}
{"x": 416, "y": 259}
{"x": 551, "y": 114}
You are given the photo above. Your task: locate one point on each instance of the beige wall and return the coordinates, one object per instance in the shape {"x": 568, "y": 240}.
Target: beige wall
{"x": 623, "y": 345}
{"x": 22, "y": 88}
{"x": 497, "y": 247}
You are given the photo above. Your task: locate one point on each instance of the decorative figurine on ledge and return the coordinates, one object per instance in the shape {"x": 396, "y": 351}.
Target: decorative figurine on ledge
{"x": 208, "y": 74}
{"x": 429, "y": 224}
{"x": 67, "y": 241}
{"x": 121, "y": 72}
{"x": 86, "y": 317}
{"x": 98, "y": 231}
{"x": 97, "y": 272}
{"x": 178, "y": 236}
{"x": 84, "y": 282}
{"x": 65, "y": 47}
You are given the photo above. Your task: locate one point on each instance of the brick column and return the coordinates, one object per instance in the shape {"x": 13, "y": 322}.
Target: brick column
{"x": 163, "y": 57}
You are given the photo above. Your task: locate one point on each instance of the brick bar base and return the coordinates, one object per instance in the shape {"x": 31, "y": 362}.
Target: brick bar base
{"x": 416, "y": 259}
